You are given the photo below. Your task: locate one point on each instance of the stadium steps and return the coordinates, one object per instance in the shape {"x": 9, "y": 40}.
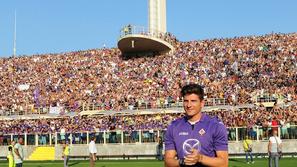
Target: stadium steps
{"x": 43, "y": 153}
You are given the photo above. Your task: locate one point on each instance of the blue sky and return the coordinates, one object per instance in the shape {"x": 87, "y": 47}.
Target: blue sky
{"x": 54, "y": 26}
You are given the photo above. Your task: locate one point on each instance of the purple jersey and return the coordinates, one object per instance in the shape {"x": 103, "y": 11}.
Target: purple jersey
{"x": 207, "y": 136}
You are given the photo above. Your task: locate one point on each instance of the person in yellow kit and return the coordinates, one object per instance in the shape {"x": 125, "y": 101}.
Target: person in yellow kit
{"x": 247, "y": 146}
{"x": 66, "y": 152}
{"x": 10, "y": 157}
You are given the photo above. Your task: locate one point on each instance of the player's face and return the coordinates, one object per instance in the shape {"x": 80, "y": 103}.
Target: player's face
{"x": 192, "y": 105}
{"x": 21, "y": 141}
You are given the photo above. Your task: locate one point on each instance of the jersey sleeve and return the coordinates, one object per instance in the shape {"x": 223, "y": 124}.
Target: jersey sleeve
{"x": 16, "y": 146}
{"x": 169, "y": 141}
{"x": 220, "y": 138}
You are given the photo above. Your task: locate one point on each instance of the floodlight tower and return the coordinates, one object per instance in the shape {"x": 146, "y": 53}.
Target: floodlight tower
{"x": 152, "y": 40}
{"x": 157, "y": 15}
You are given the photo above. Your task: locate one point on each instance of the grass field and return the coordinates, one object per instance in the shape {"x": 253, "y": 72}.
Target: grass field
{"x": 285, "y": 162}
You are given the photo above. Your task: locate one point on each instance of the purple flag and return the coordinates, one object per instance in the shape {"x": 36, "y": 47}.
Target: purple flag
{"x": 36, "y": 94}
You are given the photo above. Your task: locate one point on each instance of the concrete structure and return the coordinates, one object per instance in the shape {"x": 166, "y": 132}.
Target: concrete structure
{"x": 289, "y": 146}
{"x": 136, "y": 40}
{"x": 139, "y": 40}
{"x": 157, "y": 15}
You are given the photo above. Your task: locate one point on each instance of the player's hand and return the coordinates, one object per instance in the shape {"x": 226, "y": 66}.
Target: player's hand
{"x": 193, "y": 158}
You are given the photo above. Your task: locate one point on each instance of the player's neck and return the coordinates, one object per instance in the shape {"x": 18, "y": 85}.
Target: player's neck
{"x": 196, "y": 118}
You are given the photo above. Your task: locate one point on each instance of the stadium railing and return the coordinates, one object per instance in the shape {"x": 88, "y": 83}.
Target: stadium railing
{"x": 140, "y": 30}
{"x": 140, "y": 105}
{"x": 235, "y": 134}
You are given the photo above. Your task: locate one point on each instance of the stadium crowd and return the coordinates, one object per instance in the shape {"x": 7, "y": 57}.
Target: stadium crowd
{"x": 246, "y": 119}
{"x": 236, "y": 69}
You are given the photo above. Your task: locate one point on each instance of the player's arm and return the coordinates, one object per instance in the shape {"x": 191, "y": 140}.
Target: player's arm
{"x": 16, "y": 150}
{"x": 93, "y": 151}
{"x": 170, "y": 160}
{"x": 269, "y": 147}
{"x": 280, "y": 145}
{"x": 220, "y": 161}
{"x": 170, "y": 148}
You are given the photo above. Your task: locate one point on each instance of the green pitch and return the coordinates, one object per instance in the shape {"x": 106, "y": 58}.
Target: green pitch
{"x": 286, "y": 162}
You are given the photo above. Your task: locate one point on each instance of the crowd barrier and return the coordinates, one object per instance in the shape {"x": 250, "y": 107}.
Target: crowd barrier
{"x": 256, "y": 133}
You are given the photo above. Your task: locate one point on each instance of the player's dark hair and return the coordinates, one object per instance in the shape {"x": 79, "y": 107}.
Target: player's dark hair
{"x": 9, "y": 148}
{"x": 193, "y": 89}
{"x": 93, "y": 137}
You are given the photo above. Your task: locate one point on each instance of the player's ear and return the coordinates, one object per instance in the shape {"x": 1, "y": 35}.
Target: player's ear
{"x": 202, "y": 102}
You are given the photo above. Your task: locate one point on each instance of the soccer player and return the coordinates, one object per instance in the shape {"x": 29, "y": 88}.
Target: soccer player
{"x": 160, "y": 149}
{"x": 10, "y": 156}
{"x": 274, "y": 149}
{"x": 66, "y": 152}
{"x": 195, "y": 139}
{"x": 247, "y": 147}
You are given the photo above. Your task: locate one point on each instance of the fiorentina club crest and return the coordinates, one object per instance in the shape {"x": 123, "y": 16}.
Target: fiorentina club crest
{"x": 201, "y": 132}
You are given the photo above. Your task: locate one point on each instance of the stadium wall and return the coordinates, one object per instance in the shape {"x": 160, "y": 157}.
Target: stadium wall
{"x": 235, "y": 148}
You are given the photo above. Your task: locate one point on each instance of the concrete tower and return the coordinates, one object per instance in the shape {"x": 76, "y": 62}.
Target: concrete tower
{"x": 157, "y": 16}
{"x": 151, "y": 40}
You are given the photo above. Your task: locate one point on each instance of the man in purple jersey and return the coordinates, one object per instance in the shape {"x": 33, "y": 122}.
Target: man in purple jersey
{"x": 196, "y": 139}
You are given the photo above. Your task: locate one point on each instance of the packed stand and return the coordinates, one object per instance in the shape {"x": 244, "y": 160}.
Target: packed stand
{"x": 236, "y": 69}
{"x": 249, "y": 121}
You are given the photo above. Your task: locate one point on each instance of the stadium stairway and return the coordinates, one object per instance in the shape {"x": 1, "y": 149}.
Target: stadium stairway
{"x": 43, "y": 153}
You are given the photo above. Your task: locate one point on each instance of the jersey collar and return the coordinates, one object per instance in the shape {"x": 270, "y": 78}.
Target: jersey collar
{"x": 202, "y": 119}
